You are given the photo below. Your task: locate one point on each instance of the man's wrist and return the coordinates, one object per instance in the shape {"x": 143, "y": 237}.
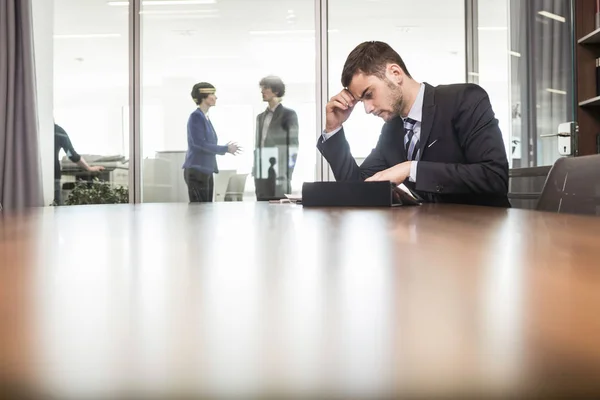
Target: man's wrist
{"x": 326, "y": 135}
{"x": 329, "y": 130}
{"x": 413, "y": 171}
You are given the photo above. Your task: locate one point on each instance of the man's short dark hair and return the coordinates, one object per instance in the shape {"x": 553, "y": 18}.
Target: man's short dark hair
{"x": 202, "y": 90}
{"x": 274, "y": 83}
{"x": 370, "y": 58}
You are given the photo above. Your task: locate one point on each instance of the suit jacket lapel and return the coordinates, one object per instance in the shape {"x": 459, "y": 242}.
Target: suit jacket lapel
{"x": 211, "y": 129}
{"x": 427, "y": 116}
{"x": 277, "y": 114}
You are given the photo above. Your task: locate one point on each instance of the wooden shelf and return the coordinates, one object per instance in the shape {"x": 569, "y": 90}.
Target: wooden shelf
{"x": 594, "y": 101}
{"x": 587, "y": 114}
{"x": 592, "y": 38}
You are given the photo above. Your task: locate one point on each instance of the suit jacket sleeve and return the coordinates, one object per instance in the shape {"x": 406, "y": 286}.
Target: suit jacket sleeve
{"x": 485, "y": 170}
{"x": 336, "y": 151}
{"x": 293, "y": 128}
{"x": 197, "y": 137}
{"x": 65, "y": 143}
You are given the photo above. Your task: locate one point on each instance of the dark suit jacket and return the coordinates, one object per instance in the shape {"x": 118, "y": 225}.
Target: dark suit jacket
{"x": 62, "y": 141}
{"x": 284, "y": 124}
{"x": 463, "y": 159}
{"x": 282, "y": 132}
{"x": 202, "y": 144}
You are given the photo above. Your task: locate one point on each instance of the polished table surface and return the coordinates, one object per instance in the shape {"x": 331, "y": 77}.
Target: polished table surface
{"x": 245, "y": 299}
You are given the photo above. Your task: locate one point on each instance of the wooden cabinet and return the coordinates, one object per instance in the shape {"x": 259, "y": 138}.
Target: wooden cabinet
{"x": 587, "y": 50}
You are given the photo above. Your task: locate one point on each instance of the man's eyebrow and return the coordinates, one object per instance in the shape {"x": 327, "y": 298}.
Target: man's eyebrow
{"x": 364, "y": 92}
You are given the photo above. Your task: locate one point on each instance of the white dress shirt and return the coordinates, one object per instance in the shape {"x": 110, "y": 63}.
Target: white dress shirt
{"x": 267, "y": 122}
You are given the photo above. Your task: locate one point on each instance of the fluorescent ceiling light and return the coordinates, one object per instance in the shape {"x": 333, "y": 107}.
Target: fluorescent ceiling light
{"x": 514, "y": 53}
{"x": 556, "y": 91}
{"x": 89, "y": 36}
{"x": 284, "y": 32}
{"x": 208, "y": 57}
{"x": 176, "y": 17}
{"x": 552, "y": 16}
{"x": 492, "y": 28}
{"x": 164, "y": 2}
{"x": 186, "y": 12}
{"x": 289, "y": 32}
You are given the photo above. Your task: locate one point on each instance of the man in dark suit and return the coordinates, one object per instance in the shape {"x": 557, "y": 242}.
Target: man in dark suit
{"x": 276, "y": 136}
{"x": 443, "y": 142}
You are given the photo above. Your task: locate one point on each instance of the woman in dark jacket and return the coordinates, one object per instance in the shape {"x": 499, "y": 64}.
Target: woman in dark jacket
{"x": 200, "y": 159}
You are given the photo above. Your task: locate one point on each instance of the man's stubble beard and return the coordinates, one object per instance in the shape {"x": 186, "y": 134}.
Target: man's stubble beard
{"x": 397, "y": 97}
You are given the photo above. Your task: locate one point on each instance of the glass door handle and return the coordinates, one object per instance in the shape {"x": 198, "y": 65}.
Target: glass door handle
{"x": 561, "y": 134}
{"x": 564, "y": 133}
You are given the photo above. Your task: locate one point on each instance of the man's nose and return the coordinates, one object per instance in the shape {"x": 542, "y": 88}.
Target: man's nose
{"x": 368, "y": 107}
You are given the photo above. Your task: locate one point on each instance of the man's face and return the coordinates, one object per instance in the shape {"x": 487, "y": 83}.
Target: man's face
{"x": 267, "y": 93}
{"x": 381, "y": 97}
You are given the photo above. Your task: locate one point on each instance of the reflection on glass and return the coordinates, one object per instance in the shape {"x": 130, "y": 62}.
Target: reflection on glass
{"x": 276, "y": 142}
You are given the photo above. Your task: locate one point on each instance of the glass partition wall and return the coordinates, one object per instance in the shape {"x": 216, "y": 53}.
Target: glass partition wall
{"x": 124, "y": 73}
{"x": 260, "y": 58}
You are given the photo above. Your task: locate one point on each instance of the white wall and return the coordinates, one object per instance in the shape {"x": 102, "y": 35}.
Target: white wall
{"x": 43, "y": 29}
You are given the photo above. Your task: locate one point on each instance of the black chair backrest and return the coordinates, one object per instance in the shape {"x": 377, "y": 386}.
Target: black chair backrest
{"x": 573, "y": 186}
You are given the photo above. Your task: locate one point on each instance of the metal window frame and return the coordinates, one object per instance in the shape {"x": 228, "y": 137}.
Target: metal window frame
{"x": 574, "y": 103}
{"x": 322, "y": 172}
{"x": 529, "y": 155}
{"x": 471, "y": 41}
{"x": 135, "y": 101}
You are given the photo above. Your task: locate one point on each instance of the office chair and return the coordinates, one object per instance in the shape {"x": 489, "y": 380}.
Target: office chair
{"x": 221, "y": 183}
{"x": 235, "y": 187}
{"x": 572, "y": 186}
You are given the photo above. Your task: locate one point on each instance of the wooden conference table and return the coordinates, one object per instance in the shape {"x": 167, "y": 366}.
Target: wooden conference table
{"x": 244, "y": 300}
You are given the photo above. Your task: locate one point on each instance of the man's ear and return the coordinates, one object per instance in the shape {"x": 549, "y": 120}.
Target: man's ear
{"x": 395, "y": 73}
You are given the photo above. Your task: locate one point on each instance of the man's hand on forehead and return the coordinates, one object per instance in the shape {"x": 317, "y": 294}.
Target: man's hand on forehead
{"x": 354, "y": 97}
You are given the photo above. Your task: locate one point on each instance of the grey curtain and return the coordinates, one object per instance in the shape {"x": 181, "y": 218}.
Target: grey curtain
{"x": 20, "y": 171}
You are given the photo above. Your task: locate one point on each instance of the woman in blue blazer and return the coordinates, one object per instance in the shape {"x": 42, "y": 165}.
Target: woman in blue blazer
{"x": 200, "y": 159}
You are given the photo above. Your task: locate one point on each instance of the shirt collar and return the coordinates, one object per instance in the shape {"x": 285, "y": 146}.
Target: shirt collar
{"x": 416, "y": 111}
{"x": 273, "y": 110}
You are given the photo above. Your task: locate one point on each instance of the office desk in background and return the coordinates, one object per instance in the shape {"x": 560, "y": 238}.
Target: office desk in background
{"x": 116, "y": 170}
{"x": 243, "y": 298}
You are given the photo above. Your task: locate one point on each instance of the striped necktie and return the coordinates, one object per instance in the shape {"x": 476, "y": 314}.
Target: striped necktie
{"x": 411, "y": 141}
